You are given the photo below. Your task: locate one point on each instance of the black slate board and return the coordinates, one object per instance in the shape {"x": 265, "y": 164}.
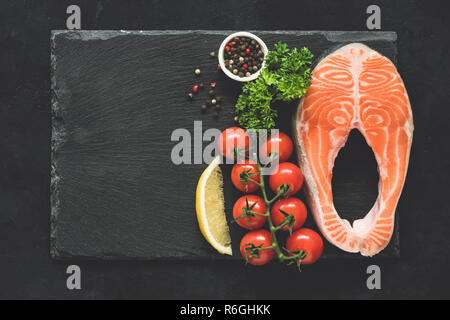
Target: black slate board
{"x": 117, "y": 97}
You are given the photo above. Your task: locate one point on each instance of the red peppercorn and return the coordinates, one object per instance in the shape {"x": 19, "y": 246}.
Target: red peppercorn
{"x": 219, "y": 67}
{"x": 227, "y": 48}
{"x": 245, "y": 66}
{"x": 195, "y": 88}
{"x": 232, "y": 43}
{"x": 213, "y": 84}
{"x": 247, "y": 51}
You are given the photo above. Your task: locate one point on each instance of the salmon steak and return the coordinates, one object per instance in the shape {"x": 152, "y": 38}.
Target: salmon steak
{"x": 354, "y": 87}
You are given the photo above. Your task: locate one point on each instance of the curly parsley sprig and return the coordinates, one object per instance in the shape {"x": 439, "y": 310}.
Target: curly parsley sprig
{"x": 285, "y": 77}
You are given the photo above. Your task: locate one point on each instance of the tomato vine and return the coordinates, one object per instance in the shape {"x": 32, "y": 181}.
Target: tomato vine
{"x": 283, "y": 254}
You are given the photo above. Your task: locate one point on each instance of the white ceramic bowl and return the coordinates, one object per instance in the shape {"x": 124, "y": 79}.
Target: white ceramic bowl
{"x": 222, "y": 60}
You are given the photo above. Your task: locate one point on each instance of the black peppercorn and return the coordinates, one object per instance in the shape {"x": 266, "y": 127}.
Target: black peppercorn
{"x": 219, "y": 99}
{"x": 215, "y": 114}
{"x": 212, "y": 93}
{"x": 190, "y": 96}
{"x": 204, "y": 107}
{"x": 243, "y": 56}
{"x": 218, "y": 107}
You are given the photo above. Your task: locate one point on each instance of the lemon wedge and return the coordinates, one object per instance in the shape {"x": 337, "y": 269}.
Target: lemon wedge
{"x": 210, "y": 206}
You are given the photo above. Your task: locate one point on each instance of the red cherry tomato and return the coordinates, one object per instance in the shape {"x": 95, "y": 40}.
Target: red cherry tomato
{"x": 251, "y": 203}
{"x": 232, "y": 138}
{"x": 280, "y": 143}
{"x": 257, "y": 238}
{"x": 251, "y": 168}
{"x": 293, "y": 206}
{"x": 287, "y": 173}
{"x": 307, "y": 240}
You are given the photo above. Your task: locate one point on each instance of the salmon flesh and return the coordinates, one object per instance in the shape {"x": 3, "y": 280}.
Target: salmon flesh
{"x": 354, "y": 87}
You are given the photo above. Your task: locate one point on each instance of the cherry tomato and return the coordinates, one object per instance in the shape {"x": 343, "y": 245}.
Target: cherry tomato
{"x": 252, "y": 169}
{"x": 280, "y": 143}
{"x": 253, "y": 239}
{"x": 293, "y": 206}
{"x": 232, "y": 138}
{"x": 250, "y": 203}
{"x": 307, "y": 240}
{"x": 287, "y": 173}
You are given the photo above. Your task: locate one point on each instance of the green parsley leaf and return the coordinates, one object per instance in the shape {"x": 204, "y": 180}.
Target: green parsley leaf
{"x": 285, "y": 77}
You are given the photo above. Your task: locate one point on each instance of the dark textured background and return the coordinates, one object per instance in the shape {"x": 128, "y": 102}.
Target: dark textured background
{"x": 26, "y": 268}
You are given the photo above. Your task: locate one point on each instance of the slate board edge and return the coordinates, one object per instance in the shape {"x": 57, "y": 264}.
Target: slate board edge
{"x": 58, "y": 131}
{"x": 334, "y": 36}
{"x": 54, "y": 177}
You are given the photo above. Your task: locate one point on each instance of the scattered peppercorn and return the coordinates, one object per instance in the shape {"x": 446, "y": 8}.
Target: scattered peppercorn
{"x": 219, "y": 67}
{"x": 195, "y": 88}
{"x": 213, "y": 101}
{"x": 236, "y": 119}
{"x": 219, "y": 99}
{"x": 213, "y": 84}
{"x": 215, "y": 114}
{"x": 190, "y": 96}
{"x": 204, "y": 107}
{"x": 212, "y": 93}
{"x": 212, "y": 54}
{"x": 197, "y": 72}
{"x": 217, "y": 107}
{"x": 201, "y": 86}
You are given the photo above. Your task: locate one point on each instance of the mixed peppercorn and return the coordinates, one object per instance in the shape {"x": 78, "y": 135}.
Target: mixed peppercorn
{"x": 243, "y": 56}
{"x": 214, "y": 100}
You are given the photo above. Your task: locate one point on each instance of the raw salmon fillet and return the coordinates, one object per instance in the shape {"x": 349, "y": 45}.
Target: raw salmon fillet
{"x": 354, "y": 87}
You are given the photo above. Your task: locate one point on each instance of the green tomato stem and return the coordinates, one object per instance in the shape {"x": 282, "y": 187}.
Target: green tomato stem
{"x": 281, "y": 225}
{"x": 275, "y": 246}
{"x": 251, "y": 180}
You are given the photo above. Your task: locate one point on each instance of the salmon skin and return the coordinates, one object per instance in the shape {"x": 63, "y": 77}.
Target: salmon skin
{"x": 354, "y": 87}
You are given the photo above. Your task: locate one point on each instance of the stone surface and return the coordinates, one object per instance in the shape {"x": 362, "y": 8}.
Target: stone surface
{"x": 117, "y": 98}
